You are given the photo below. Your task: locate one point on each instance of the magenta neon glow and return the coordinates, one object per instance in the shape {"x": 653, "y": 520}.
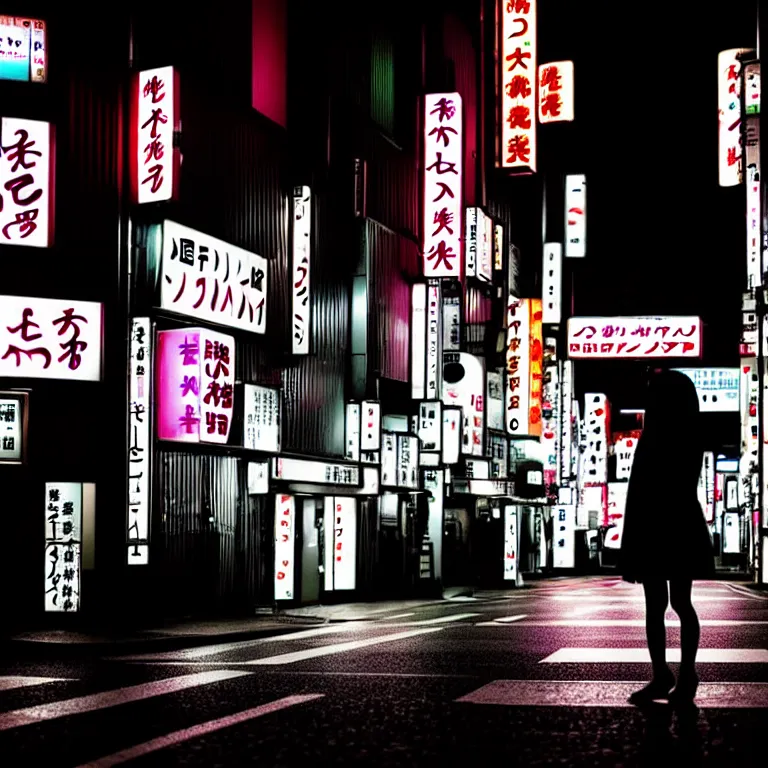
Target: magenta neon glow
{"x": 195, "y": 385}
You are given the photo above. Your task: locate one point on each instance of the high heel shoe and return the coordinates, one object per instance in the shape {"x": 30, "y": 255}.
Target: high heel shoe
{"x": 685, "y": 690}
{"x": 659, "y": 688}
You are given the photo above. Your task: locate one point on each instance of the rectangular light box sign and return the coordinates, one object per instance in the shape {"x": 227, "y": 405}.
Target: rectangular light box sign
{"x": 634, "y": 337}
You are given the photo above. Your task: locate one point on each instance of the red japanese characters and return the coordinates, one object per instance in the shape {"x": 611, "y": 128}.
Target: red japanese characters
{"x": 555, "y": 97}
{"x": 634, "y": 337}
{"x": 26, "y": 191}
{"x": 154, "y": 159}
{"x": 443, "y": 147}
{"x": 518, "y": 85}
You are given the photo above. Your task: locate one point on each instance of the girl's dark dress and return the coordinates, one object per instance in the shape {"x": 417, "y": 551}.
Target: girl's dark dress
{"x": 665, "y": 534}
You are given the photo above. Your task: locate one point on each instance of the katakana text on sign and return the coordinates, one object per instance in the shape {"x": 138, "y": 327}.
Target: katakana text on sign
{"x": 205, "y": 278}
{"x": 443, "y": 148}
{"x": 518, "y": 85}
{"x": 634, "y": 337}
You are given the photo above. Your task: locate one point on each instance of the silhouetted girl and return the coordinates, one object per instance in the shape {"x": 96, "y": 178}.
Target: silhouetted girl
{"x": 665, "y": 542}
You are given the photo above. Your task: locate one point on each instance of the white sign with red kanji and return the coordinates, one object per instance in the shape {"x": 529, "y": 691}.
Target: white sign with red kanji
{"x": 729, "y": 116}
{"x": 341, "y": 543}
{"x": 634, "y": 337}
{"x": 285, "y": 545}
{"x": 302, "y": 230}
{"x": 155, "y": 162}
{"x": 624, "y": 447}
{"x": 556, "y": 92}
{"x": 50, "y": 339}
{"x": 575, "y": 216}
{"x": 518, "y": 85}
{"x": 443, "y": 150}
{"x": 208, "y": 279}
{"x": 518, "y": 359}
{"x": 26, "y": 189}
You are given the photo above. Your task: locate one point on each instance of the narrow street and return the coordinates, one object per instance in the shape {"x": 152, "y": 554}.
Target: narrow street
{"x": 534, "y": 677}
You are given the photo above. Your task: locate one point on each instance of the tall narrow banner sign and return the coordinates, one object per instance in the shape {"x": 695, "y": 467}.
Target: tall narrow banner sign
{"x": 729, "y": 116}
{"x": 139, "y": 441}
{"x": 518, "y": 366}
{"x": 536, "y": 370}
{"x": 434, "y": 335}
{"x": 518, "y": 85}
{"x": 576, "y": 216}
{"x": 418, "y": 339}
{"x": 552, "y": 279}
{"x": 155, "y": 162}
{"x": 302, "y": 231}
{"x": 443, "y": 150}
{"x": 285, "y": 545}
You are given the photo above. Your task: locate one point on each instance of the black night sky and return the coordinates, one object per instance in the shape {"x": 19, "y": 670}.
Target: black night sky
{"x": 663, "y": 236}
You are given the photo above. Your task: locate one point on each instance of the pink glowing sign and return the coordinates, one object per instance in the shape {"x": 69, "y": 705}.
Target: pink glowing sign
{"x": 195, "y": 385}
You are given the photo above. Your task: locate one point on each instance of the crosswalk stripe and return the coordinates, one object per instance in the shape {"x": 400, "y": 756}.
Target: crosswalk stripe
{"x": 327, "y": 650}
{"x": 580, "y": 693}
{"x": 620, "y": 623}
{"x": 106, "y": 699}
{"x": 212, "y": 650}
{"x": 641, "y": 655}
{"x": 442, "y": 619}
{"x": 504, "y": 621}
{"x": 636, "y": 598}
{"x": 203, "y": 729}
{"x": 10, "y": 682}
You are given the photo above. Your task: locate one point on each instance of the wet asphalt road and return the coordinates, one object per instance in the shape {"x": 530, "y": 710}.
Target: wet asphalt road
{"x": 385, "y": 691}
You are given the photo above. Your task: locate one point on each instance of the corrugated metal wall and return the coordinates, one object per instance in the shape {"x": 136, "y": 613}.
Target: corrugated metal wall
{"x": 394, "y": 262}
{"x": 216, "y": 550}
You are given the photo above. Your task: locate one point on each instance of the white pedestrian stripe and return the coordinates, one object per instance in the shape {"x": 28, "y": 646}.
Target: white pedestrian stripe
{"x": 212, "y": 650}
{"x": 620, "y": 623}
{"x": 327, "y": 650}
{"x": 397, "y": 616}
{"x": 442, "y": 619}
{"x": 17, "y": 681}
{"x": 581, "y": 693}
{"x": 502, "y": 621}
{"x": 641, "y": 656}
{"x": 114, "y": 698}
{"x": 177, "y": 737}
{"x": 637, "y": 598}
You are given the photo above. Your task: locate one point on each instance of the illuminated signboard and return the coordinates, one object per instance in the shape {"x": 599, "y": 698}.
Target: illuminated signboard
{"x": 518, "y": 85}
{"x": 443, "y": 146}
{"x": 23, "y": 47}
{"x": 634, "y": 337}
{"x": 556, "y": 92}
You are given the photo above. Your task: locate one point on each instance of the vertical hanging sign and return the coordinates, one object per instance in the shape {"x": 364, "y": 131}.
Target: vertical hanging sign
{"x": 433, "y": 367}
{"x": 443, "y": 149}
{"x": 729, "y": 116}
{"x": 285, "y": 523}
{"x": 155, "y": 161}
{"x": 63, "y": 542}
{"x": 552, "y": 283}
{"x": 418, "y": 339}
{"x": 556, "y": 92}
{"x": 518, "y": 366}
{"x": 301, "y": 305}
{"x": 536, "y": 358}
{"x": 518, "y": 85}
{"x": 139, "y": 441}
{"x": 576, "y": 216}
